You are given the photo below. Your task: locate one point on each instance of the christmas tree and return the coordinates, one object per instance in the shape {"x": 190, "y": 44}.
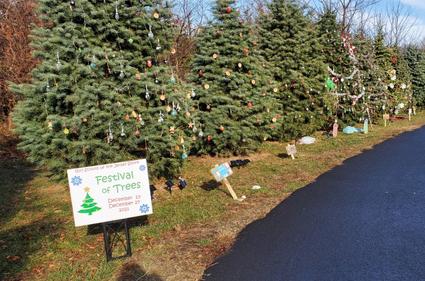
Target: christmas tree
{"x": 416, "y": 61}
{"x": 339, "y": 55}
{"x": 89, "y": 206}
{"x": 104, "y": 91}
{"x": 232, "y": 88}
{"x": 291, "y": 45}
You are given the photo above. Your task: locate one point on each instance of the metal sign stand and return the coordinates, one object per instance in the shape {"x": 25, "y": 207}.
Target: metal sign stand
{"x": 113, "y": 235}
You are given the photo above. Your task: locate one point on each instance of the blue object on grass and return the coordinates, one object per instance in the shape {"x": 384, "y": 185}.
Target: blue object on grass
{"x": 351, "y": 130}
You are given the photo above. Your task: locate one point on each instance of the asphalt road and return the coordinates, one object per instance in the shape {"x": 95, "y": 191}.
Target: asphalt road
{"x": 364, "y": 220}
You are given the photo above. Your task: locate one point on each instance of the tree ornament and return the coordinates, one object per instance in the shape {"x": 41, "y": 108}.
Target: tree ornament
{"x": 127, "y": 117}
{"x": 206, "y": 86}
{"x": 130, "y": 40}
{"x": 117, "y": 15}
{"x": 215, "y": 56}
{"x": 172, "y": 130}
{"x": 187, "y": 114}
{"x": 161, "y": 117}
{"x": 250, "y": 104}
{"x": 50, "y": 125}
{"x": 201, "y": 134}
{"x": 221, "y": 128}
{"x": 253, "y": 82}
{"x": 134, "y": 114}
{"x": 246, "y": 51}
{"x": 162, "y": 97}
{"x": 240, "y": 65}
{"x": 66, "y": 131}
{"x": 150, "y": 34}
{"x": 137, "y": 133}
{"x": 174, "y": 112}
{"x": 228, "y": 9}
{"x": 274, "y": 119}
{"x": 173, "y": 51}
{"x": 110, "y": 136}
{"x": 58, "y": 63}
{"x": 172, "y": 79}
{"x": 201, "y": 73}
{"x": 158, "y": 46}
{"x": 93, "y": 64}
{"x": 275, "y": 90}
{"x": 156, "y": 15}
{"x": 209, "y": 138}
{"x": 138, "y": 76}
{"x": 149, "y": 63}
{"x": 330, "y": 85}
{"x": 147, "y": 94}
{"x": 72, "y": 3}
{"x": 168, "y": 108}
{"x": 193, "y": 94}
{"x": 228, "y": 73}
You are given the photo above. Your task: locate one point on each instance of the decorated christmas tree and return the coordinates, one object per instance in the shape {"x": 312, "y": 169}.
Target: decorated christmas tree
{"x": 104, "y": 91}
{"x": 233, "y": 93}
{"x": 340, "y": 56}
{"x": 290, "y": 43}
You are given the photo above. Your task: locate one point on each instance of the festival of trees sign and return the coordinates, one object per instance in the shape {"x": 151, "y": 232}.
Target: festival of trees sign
{"x": 110, "y": 192}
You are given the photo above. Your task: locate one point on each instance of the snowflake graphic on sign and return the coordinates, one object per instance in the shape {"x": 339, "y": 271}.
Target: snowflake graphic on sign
{"x": 144, "y": 208}
{"x": 76, "y": 180}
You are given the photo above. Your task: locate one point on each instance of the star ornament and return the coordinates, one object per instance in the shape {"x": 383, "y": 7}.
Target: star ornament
{"x": 87, "y": 189}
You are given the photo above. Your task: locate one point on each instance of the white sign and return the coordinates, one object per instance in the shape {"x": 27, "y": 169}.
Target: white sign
{"x": 110, "y": 192}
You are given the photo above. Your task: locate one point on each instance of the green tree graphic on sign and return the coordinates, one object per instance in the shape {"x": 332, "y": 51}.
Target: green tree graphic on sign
{"x": 89, "y": 206}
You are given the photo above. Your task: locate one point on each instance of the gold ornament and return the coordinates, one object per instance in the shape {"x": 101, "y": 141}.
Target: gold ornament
{"x": 66, "y": 131}
{"x": 206, "y": 86}
{"x": 173, "y": 51}
{"x": 162, "y": 97}
{"x": 156, "y": 15}
{"x": 274, "y": 119}
{"x": 172, "y": 130}
{"x": 227, "y": 73}
{"x": 187, "y": 114}
{"x": 134, "y": 114}
{"x": 253, "y": 82}
{"x": 275, "y": 90}
{"x": 215, "y": 56}
{"x": 168, "y": 108}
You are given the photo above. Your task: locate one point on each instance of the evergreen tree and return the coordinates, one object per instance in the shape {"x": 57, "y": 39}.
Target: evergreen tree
{"x": 289, "y": 42}
{"x": 416, "y": 60}
{"x": 342, "y": 68}
{"x": 103, "y": 91}
{"x": 231, "y": 85}
{"x": 401, "y": 90}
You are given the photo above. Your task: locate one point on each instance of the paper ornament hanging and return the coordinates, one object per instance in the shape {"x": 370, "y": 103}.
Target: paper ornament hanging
{"x": 117, "y": 15}
{"x": 134, "y": 114}
{"x": 221, "y": 128}
{"x": 127, "y": 117}
{"x": 138, "y": 76}
{"x": 147, "y": 94}
{"x": 156, "y": 15}
{"x": 246, "y": 51}
{"x": 161, "y": 117}
{"x": 162, "y": 97}
{"x": 209, "y": 138}
{"x": 228, "y": 9}
{"x": 93, "y": 63}
{"x": 215, "y": 56}
{"x": 193, "y": 94}
{"x": 250, "y": 104}
{"x": 206, "y": 86}
{"x": 274, "y": 119}
{"x": 187, "y": 114}
{"x": 150, "y": 33}
{"x": 227, "y": 73}
{"x": 172, "y": 79}
{"x": 330, "y": 85}
{"x": 403, "y": 86}
{"x": 275, "y": 90}
{"x": 391, "y": 85}
{"x": 137, "y": 133}
{"x": 149, "y": 63}
{"x": 240, "y": 65}
{"x": 66, "y": 131}
{"x": 253, "y": 82}
{"x": 173, "y": 51}
{"x": 130, "y": 40}
{"x": 172, "y": 130}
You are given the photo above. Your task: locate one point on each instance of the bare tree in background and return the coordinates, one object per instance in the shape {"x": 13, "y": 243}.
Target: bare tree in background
{"x": 400, "y": 24}
{"x": 16, "y": 62}
{"x": 190, "y": 15}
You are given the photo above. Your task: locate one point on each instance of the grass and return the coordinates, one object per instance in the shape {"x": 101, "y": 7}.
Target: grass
{"x": 188, "y": 229}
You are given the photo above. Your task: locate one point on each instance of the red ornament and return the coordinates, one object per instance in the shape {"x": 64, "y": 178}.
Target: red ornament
{"x": 394, "y": 59}
{"x": 209, "y": 138}
{"x": 149, "y": 63}
{"x": 222, "y": 128}
{"x": 228, "y": 9}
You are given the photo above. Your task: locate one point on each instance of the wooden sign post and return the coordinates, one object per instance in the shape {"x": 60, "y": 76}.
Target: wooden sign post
{"x": 335, "y": 129}
{"x": 221, "y": 173}
{"x": 386, "y": 118}
{"x": 291, "y": 150}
